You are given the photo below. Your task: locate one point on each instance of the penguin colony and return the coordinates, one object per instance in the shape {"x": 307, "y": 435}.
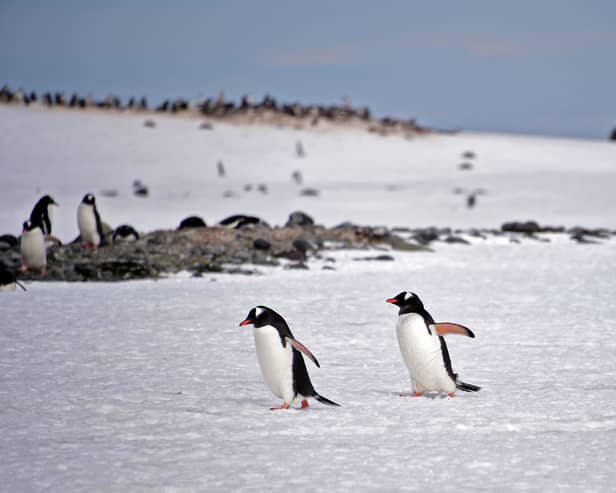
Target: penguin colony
{"x": 279, "y": 354}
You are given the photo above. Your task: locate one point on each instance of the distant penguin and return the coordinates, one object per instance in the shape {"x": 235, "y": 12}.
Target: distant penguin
{"x": 33, "y": 251}
{"x": 8, "y": 279}
{"x": 89, "y": 222}
{"x": 125, "y": 233}
{"x": 42, "y": 213}
{"x": 424, "y": 349}
{"x": 282, "y": 365}
{"x": 238, "y": 221}
{"x": 192, "y": 222}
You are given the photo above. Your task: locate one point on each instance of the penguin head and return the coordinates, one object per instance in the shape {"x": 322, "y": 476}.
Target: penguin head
{"x": 260, "y": 316}
{"x": 89, "y": 199}
{"x": 29, "y": 226}
{"x": 47, "y": 200}
{"x": 408, "y": 301}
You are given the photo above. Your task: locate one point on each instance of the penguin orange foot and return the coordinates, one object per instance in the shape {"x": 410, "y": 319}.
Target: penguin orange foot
{"x": 280, "y": 408}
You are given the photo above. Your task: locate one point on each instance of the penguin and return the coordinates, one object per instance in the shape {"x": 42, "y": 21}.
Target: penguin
{"x": 42, "y": 213}
{"x": 279, "y": 354}
{"x": 238, "y": 221}
{"x": 124, "y": 233}
{"x": 89, "y": 222}
{"x": 33, "y": 251}
{"x": 8, "y": 279}
{"x": 424, "y": 349}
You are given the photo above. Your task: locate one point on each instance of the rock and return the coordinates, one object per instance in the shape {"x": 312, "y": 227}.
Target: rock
{"x": 111, "y": 192}
{"x": 296, "y": 266}
{"x": 456, "y": 240}
{"x": 426, "y": 236}
{"x": 469, "y": 155}
{"x": 149, "y": 124}
{"x": 528, "y": 227}
{"x": 382, "y": 258}
{"x": 261, "y": 244}
{"x": 139, "y": 189}
{"x": 309, "y": 192}
{"x": 206, "y": 126}
{"x": 192, "y": 222}
{"x": 613, "y": 135}
{"x": 299, "y": 218}
{"x": 465, "y": 166}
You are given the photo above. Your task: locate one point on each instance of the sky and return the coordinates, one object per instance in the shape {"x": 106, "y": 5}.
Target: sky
{"x": 540, "y": 67}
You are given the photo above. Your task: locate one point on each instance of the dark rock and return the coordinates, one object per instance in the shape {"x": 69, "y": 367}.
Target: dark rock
{"x": 206, "y": 126}
{"x": 149, "y": 124}
{"x": 613, "y": 135}
{"x": 580, "y": 238}
{"x": 328, "y": 267}
{"x": 296, "y": 266}
{"x": 261, "y": 244}
{"x": 192, "y": 222}
{"x": 469, "y": 155}
{"x": 426, "y": 236}
{"x": 456, "y": 240}
{"x": 299, "y": 218}
{"x": 292, "y": 255}
{"x": 262, "y": 187}
{"x": 465, "y": 166}
{"x": 528, "y": 227}
{"x": 382, "y": 258}
{"x": 309, "y": 192}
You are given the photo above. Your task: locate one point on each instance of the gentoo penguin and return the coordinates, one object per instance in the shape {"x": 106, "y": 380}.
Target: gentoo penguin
{"x": 424, "y": 349}
{"x": 282, "y": 365}
{"x": 33, "y": 251}
{"x": 42, "y": 213}
{"x": 8, "y": 279}
{"x": 124, "y": 233}
{"x": 89, "y": 222}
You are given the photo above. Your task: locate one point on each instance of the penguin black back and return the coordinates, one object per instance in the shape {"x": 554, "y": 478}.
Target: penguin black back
{"x": 40, "y": 214}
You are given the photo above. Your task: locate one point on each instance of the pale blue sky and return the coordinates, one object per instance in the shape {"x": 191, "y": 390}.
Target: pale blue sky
{"x": 544, "y": 67}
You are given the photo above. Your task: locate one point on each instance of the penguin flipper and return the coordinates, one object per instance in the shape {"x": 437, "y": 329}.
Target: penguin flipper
{"x": 467, "y": 387}
{"x": 325, "y": 400}
{"x": 443, "y": 328}
{"x": 300, "y": 347}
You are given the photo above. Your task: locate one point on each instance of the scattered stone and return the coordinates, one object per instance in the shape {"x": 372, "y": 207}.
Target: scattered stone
{"x": 220, "y": 168}
{"x": 206, "y": 126}
{"x": 192, "y": 222}
{"x": 10, "y": 240}
{"x": 382, "y": 258}
{"x": 309, "y": 192}
{"x": 299, "y": 149}
{"x": 262, "y": 187}
{"x": 149, "y": 124}
{"x": 110, "y": 193}
{"x": 297, "y": 177}
{"x": 456, "y": 240}
{"x": 261, "y": 244}
{"x": 139, "y": 189}
{"x": 469, "y": 155}
{"x": 465, "y": 166}
{"x": 296, "y": 266}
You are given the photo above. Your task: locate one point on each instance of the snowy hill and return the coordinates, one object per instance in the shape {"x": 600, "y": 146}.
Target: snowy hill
{"x": 360, "y": 177}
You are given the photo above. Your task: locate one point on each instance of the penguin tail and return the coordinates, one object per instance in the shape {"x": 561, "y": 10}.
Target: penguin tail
{"x": 325, "y": 400}
{"x": 467, "y": 387}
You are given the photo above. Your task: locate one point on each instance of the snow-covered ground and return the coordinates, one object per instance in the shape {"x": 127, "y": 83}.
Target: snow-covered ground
{"x": 152, "y": 386}
{"x": 361, "y": 177}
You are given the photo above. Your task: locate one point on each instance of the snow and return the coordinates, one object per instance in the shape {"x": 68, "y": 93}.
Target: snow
{"x": 361, "y": 177}
{"x": 153, "y": 386}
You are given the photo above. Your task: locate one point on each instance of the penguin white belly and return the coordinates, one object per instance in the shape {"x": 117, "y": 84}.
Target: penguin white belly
{"x": 275, "y": 361}
{"x": 33, "y": 251}
{"x": 422, "y": 355}
{"x": 86, "y": 220}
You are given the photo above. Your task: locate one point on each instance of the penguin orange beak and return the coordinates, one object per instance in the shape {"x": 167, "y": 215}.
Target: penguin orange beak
{"x": 245, "y": 322}
{"x": 392, "y": 300}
